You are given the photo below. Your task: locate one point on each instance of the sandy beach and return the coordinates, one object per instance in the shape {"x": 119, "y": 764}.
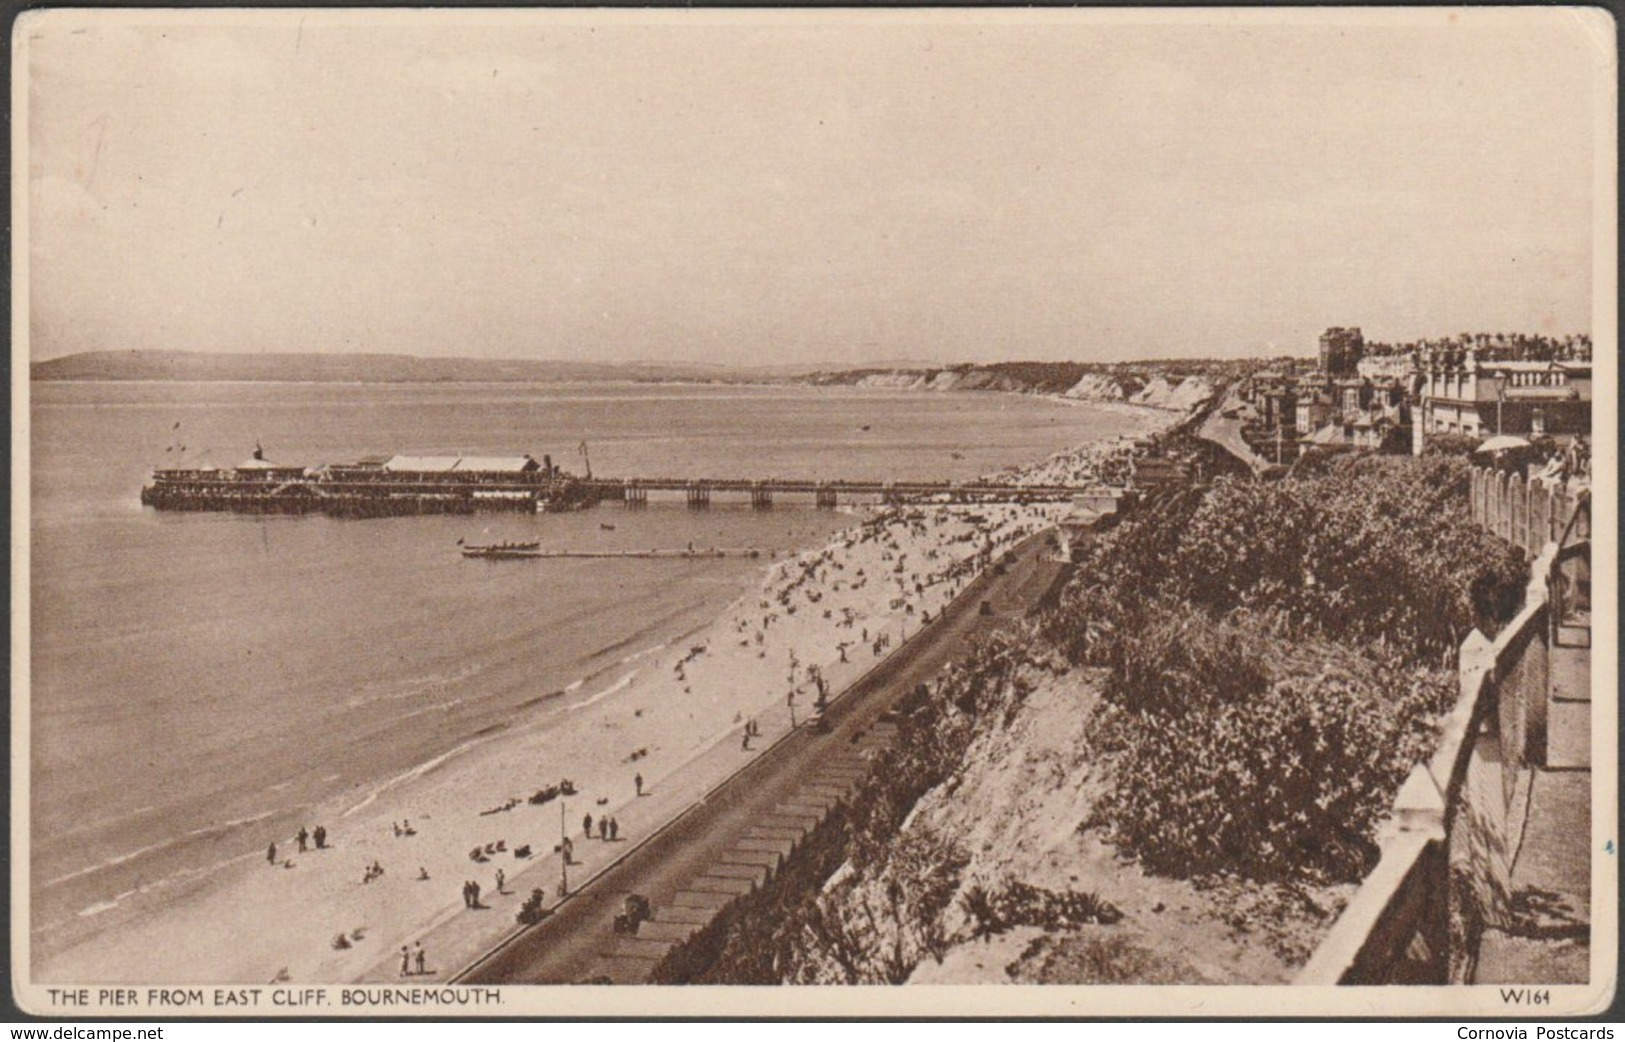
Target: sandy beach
{"x": 676, "y": 715}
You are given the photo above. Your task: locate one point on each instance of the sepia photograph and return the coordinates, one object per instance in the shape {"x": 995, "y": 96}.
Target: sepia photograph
{"x": 975, "y": 512}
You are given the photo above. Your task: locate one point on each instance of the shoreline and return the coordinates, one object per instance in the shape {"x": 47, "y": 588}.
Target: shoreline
{"x": 659, "y": 715}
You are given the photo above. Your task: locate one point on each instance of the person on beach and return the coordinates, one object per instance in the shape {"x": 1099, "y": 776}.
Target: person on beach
{"x": 468, "y": 898}
{"x": 421, "y": 958}
{"x": 406, "y": 961}
{"x": 320, "y": 836}
{"x": 603, "y": 827}
{"x": 569, "y": 851}
{"x": 614, "y": 829}
{"x": 270, "y": 854}
{"x": 637, "y": 782}
{"x": 586, "y": 825}
{"x": 301, "y": 838}
{"x": 501, "y": 879}
{"x": 423, "y": 873}
{"x": 474, "y": 893}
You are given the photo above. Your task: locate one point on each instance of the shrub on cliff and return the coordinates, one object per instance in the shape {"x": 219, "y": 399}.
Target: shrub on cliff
{"x": 1289, "y": 782}
{"x": 1461, "y": 445}
{"x": 1235, "y": 749}
{"x": 1018, "y": 903}
{"x": 1375, "y": 549}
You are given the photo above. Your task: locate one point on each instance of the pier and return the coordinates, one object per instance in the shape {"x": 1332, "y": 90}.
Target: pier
{"x": 459, "y": 485}
{"x": 680, "y": 554}
{"x": 699, "y": 493}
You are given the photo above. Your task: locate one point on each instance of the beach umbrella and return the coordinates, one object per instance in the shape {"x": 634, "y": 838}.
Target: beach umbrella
{"x": 1502, "y": 442}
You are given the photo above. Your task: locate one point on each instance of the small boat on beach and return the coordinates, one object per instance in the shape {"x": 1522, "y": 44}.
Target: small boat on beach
{"x": 501, "y": 550}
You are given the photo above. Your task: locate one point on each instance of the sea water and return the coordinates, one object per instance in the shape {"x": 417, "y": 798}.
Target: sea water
{"x": 200, "y": 682}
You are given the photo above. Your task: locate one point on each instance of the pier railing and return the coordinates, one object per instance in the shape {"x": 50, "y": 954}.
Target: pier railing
{"x": 1448, "y": 845}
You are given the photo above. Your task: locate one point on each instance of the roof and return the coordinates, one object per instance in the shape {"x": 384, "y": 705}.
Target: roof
{"x": 462, "y": 464}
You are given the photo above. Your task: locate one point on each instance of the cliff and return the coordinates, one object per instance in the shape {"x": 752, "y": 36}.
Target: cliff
{"x": 1177, "y": 386}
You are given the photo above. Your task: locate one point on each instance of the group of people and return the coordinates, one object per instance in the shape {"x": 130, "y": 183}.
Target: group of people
{"x": 403, "y": 828}
{"x": 302, "y": 838}
{"x": 415, "y": 955}
{"x": 373, "y": 871}
{"x": 471, "y": 889}
{"x": 608, "y": 827}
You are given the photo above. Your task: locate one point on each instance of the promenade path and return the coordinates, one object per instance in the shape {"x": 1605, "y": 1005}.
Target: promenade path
{"x": 679, "y": 839}
{"x": 1548, "y": 940}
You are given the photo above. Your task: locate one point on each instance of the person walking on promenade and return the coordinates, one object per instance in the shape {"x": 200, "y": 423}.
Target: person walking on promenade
{"x": 603, "y": 827}
{"x": 302, "y": 838}
{"x": 270, "y": 854}
{"x": 637, "y": 781}
{"x": 406, "y": 961}
{"x": 586, "y": 825}
{"x": 421, "y": 957}
{"x": 474, "y": 893}
{"x": 321, "y": 836}
{"x": 614, "y": 829}
{"x": 501, "y": 879}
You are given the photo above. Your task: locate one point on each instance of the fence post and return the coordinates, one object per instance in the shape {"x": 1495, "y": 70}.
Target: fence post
{"x": 1518, "y": 509}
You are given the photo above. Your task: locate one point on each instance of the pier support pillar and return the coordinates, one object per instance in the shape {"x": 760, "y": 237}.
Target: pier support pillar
{"x": 761, "y": 499}
{"x": 825, "y": 499}
{"x": 636, "y": 497}
{"x": 699, "y": 497}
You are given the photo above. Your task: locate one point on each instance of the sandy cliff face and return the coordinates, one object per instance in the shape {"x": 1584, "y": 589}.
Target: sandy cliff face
{"x": 1013, "y": 816}
{"x": 1057, "y": 378}
{"x": 894, "y": 381}
{"x": 1181, "y": 394}
{"x": 1015, "y": 810}
{"x": 1096, "y": 388}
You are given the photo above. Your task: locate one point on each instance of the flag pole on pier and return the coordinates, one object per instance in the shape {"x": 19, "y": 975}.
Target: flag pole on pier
{"x": 564, "y": 850}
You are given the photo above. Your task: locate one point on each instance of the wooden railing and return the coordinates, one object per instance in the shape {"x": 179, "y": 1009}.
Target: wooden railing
{"x": 1447, "y": 847}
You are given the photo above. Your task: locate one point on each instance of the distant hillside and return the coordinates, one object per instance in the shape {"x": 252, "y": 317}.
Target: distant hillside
{"x": 1164, "y": 384}
{"x": 1168, "y": 385}
{"x": 367, "y": 368}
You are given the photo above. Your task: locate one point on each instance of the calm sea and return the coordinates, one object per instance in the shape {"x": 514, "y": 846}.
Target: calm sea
{"x": 202, "y": 681}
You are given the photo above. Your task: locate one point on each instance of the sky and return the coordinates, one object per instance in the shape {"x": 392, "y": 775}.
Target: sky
{"x": 787, "y": 187}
